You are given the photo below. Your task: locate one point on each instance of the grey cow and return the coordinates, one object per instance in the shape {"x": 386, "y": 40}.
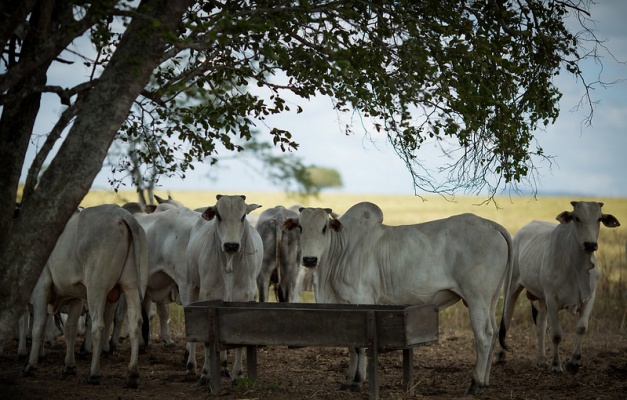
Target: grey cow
{"x": 281, "y": 255}
{"x": 556, "y": 264}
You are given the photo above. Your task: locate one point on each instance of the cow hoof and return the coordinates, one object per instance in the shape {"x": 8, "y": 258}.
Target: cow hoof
{"x": 572, "y": 367}
{"x": 203, "y": 381}
{"x": 93, "y": 379}
{"x": 170, "y": 345}
{"x": 474, "y": 389}
{"x": 226, "y": 374}
{"x": 69, "y": 371}
{"x": 353, "y": 387}
{"x": 500, "y": 358}
{"x": 27, "y": 372}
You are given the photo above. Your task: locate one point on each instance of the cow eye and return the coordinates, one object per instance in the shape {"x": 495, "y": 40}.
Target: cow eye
{"x": 576, "y": 219}
{"x": 218, "y": 217}
{"x": 324, "y": 230}
{"x": 243, "y": 218}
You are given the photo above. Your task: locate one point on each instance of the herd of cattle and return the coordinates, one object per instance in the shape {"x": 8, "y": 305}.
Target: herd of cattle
{"x": 127, "y": 258}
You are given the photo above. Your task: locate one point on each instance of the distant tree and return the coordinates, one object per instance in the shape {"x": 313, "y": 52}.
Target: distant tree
{"x": 476, "y": 74}
{"x": 323, "y": 178}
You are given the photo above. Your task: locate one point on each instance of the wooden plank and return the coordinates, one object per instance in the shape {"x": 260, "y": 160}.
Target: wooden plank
{"x": 292, "y": 327}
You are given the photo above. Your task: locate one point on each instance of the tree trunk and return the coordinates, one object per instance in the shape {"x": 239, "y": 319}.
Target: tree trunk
{"x": 69, "y": 176}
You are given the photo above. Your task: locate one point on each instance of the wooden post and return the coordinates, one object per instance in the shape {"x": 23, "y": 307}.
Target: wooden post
{"x": 408, "y": 370}
{"x": 214, "y": 352}
{"x": 373, "y": 356}
{"x": 251, "y": 362}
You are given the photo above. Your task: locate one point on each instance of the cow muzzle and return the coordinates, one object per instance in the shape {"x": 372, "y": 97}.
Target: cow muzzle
{"x": 590, "y": 247}
{"x": 231, "y": 247}
{"x": 310, "y": 262}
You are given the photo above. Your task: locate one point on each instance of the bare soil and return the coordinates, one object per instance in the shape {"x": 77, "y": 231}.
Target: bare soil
{"x": 441, "y": 371}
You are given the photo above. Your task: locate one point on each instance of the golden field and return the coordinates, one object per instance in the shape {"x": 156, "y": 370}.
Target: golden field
{"x": 511, "y": 212}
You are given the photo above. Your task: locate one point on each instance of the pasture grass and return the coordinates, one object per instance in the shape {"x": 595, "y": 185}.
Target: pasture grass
{"x": 512, "y": 212}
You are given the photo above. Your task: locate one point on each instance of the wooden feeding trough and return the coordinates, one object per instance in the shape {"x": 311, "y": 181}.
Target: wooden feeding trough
{"x": 223, "y": 325}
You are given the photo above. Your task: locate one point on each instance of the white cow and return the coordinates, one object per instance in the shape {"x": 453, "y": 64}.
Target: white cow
{"x": 223, "y": 261}
{"x": 100, "y": 254}
{"x": 359, "y": 260}
{"x": 168, "y": 229}
{"x": 281, "y": 255}
{"x": 556, "y": 264}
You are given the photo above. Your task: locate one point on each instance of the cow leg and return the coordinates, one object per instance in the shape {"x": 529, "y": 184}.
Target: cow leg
{"x": 574, "y": 362}
{"x": 109, "y": 315}
{"x": 69, "y": 331}
{"x": 87, "y": 340}
{"x": 134, "y": 325}
{"x": 22, "y": 352}
{"x": 508, "y": 313}
{"x": 263, "y": 282}
{"x": 556, "y": 334}
{"x": 484, "y": 330}
{"x": 118, "y": 322}
{"x": 163, "y": 310}
{"x": 356, "y": 373}
{"x": 41, "y": 295}
{"x": 188, "y": 296}
{"x": 238, "y": 370}
{"x": 96, "y": 310}
{"x": 541, "y": 324}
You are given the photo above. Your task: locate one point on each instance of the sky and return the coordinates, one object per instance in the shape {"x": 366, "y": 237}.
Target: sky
{"x": 588, "y": 160}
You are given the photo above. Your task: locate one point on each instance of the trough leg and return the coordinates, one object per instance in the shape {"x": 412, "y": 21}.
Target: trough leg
{"x": 251, "y": 362}
{"x": 373, "y": 357}
{"x": 214, "y": 366}
{"x": 408, "y": 368}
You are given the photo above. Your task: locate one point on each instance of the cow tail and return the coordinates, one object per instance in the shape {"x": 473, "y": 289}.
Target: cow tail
{"x": 506, "y": 285}
{"x": 141, "y": 258}
{"x": 279, "y": 237}
{"x": 145, "y": 325}
{"x": 534, "y": 313}
{"x": 58, "y": 321}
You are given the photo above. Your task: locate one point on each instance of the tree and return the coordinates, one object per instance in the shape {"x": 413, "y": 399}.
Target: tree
{"x": 475, "y": 73}
{"x": 324, "y": 177}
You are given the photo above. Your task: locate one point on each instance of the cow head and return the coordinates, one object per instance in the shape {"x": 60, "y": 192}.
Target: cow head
{"x": 230, "y": 221}
{"x": 315, "y": 225}
{"x": 586, "y": 218}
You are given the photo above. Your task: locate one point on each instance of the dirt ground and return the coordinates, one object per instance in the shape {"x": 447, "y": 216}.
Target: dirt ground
{"x": 441, "y": 371}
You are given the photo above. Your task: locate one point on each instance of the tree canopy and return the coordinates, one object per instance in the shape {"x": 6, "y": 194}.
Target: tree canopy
{"x": 189, "y": 77}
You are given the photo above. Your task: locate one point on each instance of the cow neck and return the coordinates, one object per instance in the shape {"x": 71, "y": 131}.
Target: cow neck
{"x": 581, "y": 265}
{"x": 335, "y": 266}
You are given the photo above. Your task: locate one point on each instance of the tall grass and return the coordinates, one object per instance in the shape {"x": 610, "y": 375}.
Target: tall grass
{"x": 513, "y": 213}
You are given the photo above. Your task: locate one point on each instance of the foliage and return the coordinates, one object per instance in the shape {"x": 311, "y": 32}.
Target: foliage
{"x": 476, "y": 77}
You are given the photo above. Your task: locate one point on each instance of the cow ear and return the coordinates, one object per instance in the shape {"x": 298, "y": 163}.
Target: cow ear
{"x": 609, "y": 220}
{"x": 300, "y": 209}
{"x": 565, "y": 217}
{"x": 209, "y": 213}
{"x": 289, "y": 224}
{"x": 150, "y": 208}
{"x": 328, "y": 211}
{"x": 218, "y": 196}
{"x": 251, "y": 207}
{"x": 242, "y": 196}
{"x": 336, "y": 225}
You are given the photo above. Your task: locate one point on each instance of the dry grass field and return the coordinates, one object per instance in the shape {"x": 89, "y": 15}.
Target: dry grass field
{"x": 441, "y": 371}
